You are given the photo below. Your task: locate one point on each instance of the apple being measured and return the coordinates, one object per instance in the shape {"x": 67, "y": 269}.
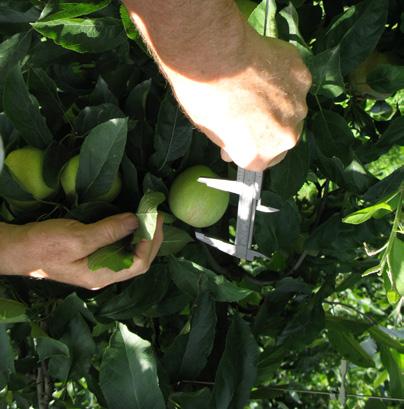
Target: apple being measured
{"x": 195, "y": 203}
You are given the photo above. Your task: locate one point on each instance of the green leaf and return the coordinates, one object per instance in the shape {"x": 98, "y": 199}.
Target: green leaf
{"x": 12, "y": 311}
{"x": 188, "y": 355}
{"x": 293, "y": 168}
{"x": 193, "y": 279}
{"x": 393, "y": 135}
{"x": 346, "y": 344}
{"x": 77, "y": 336}
{"x": 173, "y": 133}
{"x": 293, "y": 36}
{"x": 382, "y": 337}
{"x": 62, "y": 9}
{"x": 54, "y": 159}
{"x": 274, "y": 231}
{"x": 385, "y": 187}
{"x": 100, "y": 156}
{"x": 325, "y": 68}
{"x": 257, "y": 19}
{"x": 91, "y": 116}
{"x": 115, "y": 256}
{"x": 237, "y": 369}
{"x": 12, "y": 51}
{"x": 174, "y": 240}
{"x": 136, "y": 102}
{"x": 191, "y": 400}
{"x": 23, "y": 113}
{"x": 1, "y": 155}
{"x": 393, "y": 361}
{"x": 139, "y": 296}
{"x": 58, "y": 355}
{"x": 6, "y": 356}
{"x": 10, "y": 16}
{"x": 66, "y": 311}
{"x": 87, "y": 35}
{"x": 396, "y": 264}
{"x": 362, "y": 215}
{"x": 357, "y": 32}
{"x": 130, "y": 28}
{"x": 386, "y": 78}
{"x": 128, "y": 374}
{"x": 147, "y": 216}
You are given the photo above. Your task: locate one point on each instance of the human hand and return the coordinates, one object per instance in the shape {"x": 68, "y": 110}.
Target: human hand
{"x": 57, "y": 249}
{"x": 256, "y": 114}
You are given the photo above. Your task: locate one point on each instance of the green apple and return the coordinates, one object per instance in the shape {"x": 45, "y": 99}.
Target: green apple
{"x": 195, "y": 203}
{"x": 68, "y": 181}
{"x": 26, "y": 165}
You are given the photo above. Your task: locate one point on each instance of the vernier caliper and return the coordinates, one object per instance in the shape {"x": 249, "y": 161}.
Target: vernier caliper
{"x": 248, "y": 187}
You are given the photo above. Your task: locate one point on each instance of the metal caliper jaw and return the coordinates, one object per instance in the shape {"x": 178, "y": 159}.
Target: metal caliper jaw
{"x": 248, "y": 187}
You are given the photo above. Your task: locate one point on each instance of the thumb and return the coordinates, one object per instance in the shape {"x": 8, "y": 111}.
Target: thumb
{"x": 109, "y": 230}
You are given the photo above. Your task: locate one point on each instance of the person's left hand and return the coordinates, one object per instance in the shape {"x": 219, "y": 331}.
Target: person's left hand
{"x": 58, "y": 249}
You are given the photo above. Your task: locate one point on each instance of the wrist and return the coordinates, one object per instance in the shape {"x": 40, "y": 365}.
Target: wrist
{"x": 202, "y": 41}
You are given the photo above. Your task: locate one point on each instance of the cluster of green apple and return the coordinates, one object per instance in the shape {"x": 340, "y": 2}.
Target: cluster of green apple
{"x": 190, "y": 201}
{"x": 26, "y": 165}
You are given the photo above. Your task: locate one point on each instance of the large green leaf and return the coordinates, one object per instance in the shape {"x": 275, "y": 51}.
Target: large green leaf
{"x": 325, "y": 68}
{"x": 128, "y": 375}
{"x": 100, "y": 157}
{"x": 396, "y": 264}
{"x": 91, "y": 116}
{"x": 139, "y": 296}
{"x": 381, "y": 336}
{"x": 130, "y": 28}
{"x": 394, "y": 363}
{"x": 237, "y": 368}
{"x": 193, "y": 279}
{"x": 257, "y": 19}
{"x": 58, "y": 355}
{"x": 78, "y": 338}
{"x": 62, "y": 9}
{"x": 12, "y": 51}
{"x": 188, "y": 355}
{"x": 173, "y": 133}
{"x": 12, "y": 311}
{"x": 347, "y": 345}
{"x": 23, "y": 112}
{"x": 360, "y": 216}
{"x": 357, "y": 32}
{"x": 174, "y": 240}
{"x": 191, "y": 400}
{"x": 293, "y": 168}
{"x": 6, "y": 356}
{"x": 84, "y": 35}
{"x": 274, "y": 231}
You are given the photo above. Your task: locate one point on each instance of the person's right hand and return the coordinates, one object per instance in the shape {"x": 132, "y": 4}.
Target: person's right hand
{"x": 256, "y": 114}
{"x": 57, "y": 250}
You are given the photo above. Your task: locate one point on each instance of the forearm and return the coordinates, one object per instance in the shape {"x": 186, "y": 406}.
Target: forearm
{"x": 190, "y": 37}
{"x": 12, "y": 251}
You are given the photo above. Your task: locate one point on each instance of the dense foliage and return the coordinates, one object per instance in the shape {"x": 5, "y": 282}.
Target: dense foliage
{"x": 201, "y": 329}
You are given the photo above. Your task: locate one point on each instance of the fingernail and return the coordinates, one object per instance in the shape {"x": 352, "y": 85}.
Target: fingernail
{"x": 130, "y": 221}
